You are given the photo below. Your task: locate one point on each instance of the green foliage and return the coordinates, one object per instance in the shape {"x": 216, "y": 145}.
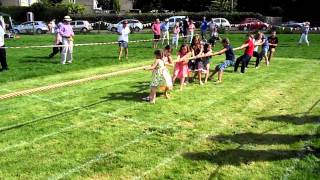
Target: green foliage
{"x": 116, "y": 5}
{"x": 223, "y": 5}
{"x": 74, "y": 8}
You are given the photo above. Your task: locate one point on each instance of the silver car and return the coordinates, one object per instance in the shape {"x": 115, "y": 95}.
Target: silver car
{"x": 38, "y": 27}
{"x": 81, "y": 26}
{"x": 135, "y": 25}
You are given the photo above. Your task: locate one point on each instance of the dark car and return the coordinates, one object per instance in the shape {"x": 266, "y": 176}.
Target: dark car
{"x": 253, "y": 24}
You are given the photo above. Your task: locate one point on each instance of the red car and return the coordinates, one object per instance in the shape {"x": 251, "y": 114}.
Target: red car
{"x": 253, "y": 24}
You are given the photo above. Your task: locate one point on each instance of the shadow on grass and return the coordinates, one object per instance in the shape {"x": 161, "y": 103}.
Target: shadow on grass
{"x": 40, "y": 59}
{"x": 293, "y": 119}
{"x": 252, "y": 138}
{"x": 19, "y": 125}
{"x": 239, "y": 156}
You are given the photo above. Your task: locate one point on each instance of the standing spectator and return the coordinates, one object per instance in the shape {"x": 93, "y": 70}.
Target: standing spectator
{"x": 52, "y": 26}
{"x": 214, "y": 32}
{"x": 57, "y": 41}
{"x": 67, "y": 35}
{"x": 191, "y": 29}
{"x": 156, "y": 32}
{"x": 204, "y": 27}
{"x": 123, "y": 39}
{"x": 165, "y": 31}
{"x": 185, "y": 26}
{"x": 175, "y": 39}
{"x": 3, "y": 56}
{"x": 273, "y": 44}
{"x": 304, "y": 34}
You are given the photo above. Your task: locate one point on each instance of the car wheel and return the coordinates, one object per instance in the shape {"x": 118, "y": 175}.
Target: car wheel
{"x": 227, "y": 28}
{"x": 136, "y": 29}
{"x": 39, "y": 31}
{"x": 16, "y": 31}
{"x": 113, "y": 29}
{"x": 84, "y": 30}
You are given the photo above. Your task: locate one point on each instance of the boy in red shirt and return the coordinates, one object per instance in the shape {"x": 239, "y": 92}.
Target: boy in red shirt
{"x": 248, "y": 53}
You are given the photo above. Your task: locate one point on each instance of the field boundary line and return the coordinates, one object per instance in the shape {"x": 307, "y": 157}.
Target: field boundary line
{"x": 68, "y": 83}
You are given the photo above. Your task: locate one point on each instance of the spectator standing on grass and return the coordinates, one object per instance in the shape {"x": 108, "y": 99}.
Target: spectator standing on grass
{"x": 273, "y": 44}
{"x": 304, "y": 34}
{"x": 67, "y": 35}
{"x": 57, "y": 41}
{"x": 123, "y": 39}
{"x": 156, "y": 29}
{"x": 204, "y": 27}
{"x": 175, "y": 38}
{"x": 214, "y": 35}
{"x": 191, "y": 29}
{"x": 52, "y": 26}
{"x": 165, "y": 31}
{"x": 3, "y": 56}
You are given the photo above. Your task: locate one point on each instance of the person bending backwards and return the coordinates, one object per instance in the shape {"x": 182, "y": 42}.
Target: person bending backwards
{"x": 248, "y": 53}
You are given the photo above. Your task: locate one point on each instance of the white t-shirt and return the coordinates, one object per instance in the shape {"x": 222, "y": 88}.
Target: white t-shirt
{"x": 124, "y": 33}
{"x": 1, "y": 36}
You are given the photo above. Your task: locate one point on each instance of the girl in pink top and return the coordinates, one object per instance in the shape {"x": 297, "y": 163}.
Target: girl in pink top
{"x": 181, "y": 68}
{"x": 191, "y": 29}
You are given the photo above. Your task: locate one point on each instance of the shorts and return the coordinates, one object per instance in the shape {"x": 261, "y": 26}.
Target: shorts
{"x": 192, "y": 65}
{"x": 123, "y": 44}
{"x": 225, "y": 64}
{"x": 156, "y": 37}
{"x": 264, "y": 51}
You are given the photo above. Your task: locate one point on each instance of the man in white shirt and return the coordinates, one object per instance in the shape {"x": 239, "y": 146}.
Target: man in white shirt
{"x": 3, "y": 57}
{"x": 123, "y": 39}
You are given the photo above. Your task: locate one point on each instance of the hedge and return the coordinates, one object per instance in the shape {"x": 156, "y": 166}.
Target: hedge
{"x": 235, "y": 17}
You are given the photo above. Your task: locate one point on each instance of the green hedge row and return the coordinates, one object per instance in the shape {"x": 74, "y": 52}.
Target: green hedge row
{"x": 49, "y": 13}
{"x": 19, "y": 14}
{"x": 235, "y": 17}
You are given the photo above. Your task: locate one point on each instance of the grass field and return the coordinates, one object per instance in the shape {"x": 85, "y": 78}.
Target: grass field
{"x": 260, "y": 125}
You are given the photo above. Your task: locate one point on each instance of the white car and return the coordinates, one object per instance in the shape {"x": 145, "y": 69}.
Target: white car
{"x": 39, "y": 27}
{"x": 222, "y": 22}
{"x": 135, "y": 25}
{"x": 81, "y": 26}
{"x": 174, "y": 19}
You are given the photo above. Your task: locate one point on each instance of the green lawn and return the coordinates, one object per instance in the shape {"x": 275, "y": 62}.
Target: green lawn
{"x": 260, "y": 125}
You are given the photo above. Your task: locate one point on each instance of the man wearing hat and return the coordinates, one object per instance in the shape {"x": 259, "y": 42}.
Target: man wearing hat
{"x": 165, "y": 31}
{"x": 304, "y": 34}
{"x": 123, "y": 39}
{"x": 67, "y": 35}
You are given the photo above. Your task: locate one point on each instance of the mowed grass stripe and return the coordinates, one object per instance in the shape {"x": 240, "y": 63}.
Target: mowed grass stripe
{"x": 242, "y": 87}
{"x": 268, "y": 106}
{"x": 73, "y": 171}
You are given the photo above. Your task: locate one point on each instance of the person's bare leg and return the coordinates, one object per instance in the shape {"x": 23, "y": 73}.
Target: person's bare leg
{"x": 213, "y": 73}
{"x": 207, "y": 73}
{"x": 127, "y": 53}
{"x": 182, "y": 83}
{"x": 200, "y": 77}
{"x": 220, "y": 74}
{"x": 153, "y": 95}
{"x": 120, "y": 53}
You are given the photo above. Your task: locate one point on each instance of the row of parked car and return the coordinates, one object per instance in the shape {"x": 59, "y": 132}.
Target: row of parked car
{"x": 83, "y": 26}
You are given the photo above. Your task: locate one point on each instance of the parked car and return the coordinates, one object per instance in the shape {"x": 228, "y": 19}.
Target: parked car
{"x": 81, "y": 26}
{"x": 174, "y": 19}
{"x": 292, "y": 24}
{"x": 39, "y": 27}
{"x": 135, "y": 25}
{"x": 222, "y": 22}
{"x": 253, "y": 24}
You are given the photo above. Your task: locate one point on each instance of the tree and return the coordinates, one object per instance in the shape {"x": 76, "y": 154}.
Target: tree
{"x": 223, "y": 5}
